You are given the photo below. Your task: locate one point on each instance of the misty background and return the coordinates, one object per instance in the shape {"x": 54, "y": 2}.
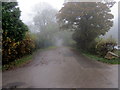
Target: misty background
{"x": 29, "y": 10}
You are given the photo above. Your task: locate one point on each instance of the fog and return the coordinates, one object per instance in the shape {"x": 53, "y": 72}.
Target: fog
{"x": 32, "y": 16}
{"x": 50, "y": 47}
{"x": 59, "y": 42}
{"x": 29, "y": 12}
{"x": 44, "y": 28}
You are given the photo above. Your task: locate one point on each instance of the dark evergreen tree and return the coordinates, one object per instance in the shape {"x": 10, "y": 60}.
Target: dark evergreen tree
{"x": 14, "y": 31}
{"x": 12, "y": 26}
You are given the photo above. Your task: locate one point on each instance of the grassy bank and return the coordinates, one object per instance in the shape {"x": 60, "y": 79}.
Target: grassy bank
{"x": 101, "y": 59}
{"x": 17, "y": 63}
{"x": 98, "y": 58}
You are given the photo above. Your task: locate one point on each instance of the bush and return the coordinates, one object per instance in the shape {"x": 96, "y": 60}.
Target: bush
{"x": 14, "y": 38}
{"x": 105, "y": 45}
{"x": 8, "y": 50}
{"x": 25, "y": 47}
{"x": 14, "y": 50}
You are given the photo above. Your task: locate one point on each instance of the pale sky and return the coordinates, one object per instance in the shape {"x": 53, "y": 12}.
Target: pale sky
{"x": 26, "y": 6}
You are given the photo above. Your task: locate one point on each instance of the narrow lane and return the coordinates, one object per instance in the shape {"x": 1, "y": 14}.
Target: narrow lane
{"x": 62, "y": 68}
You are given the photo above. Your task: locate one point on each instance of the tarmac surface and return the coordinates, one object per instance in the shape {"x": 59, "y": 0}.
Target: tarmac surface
{"x": 62, "y": 67}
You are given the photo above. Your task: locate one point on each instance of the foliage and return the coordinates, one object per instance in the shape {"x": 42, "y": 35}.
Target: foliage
{"x": 9, "y": 53}
{"x": 118, "y": 52}
{"x": 105, "y": 45}
{"x": 15, "y": 50}
{"x": 15, "y": 42}
{"x": 17, "y": 63}
{"x": 26, "y": 46}
{"x": 12, "y": 26}
{"x": 101, "y": 59}
{"x": 88, "y": 20}
{"x": 0, "y": 33}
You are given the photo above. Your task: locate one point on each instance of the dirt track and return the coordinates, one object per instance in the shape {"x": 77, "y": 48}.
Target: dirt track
{"x": 62, "y": 68}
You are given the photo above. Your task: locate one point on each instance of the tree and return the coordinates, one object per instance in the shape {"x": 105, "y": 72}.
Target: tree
{"x": 88, "y": 20}
{"x": 12, "y": 26}
{"x": 14, "y": 31}
{"x": 45, "y": 23}
{"x": 44, "y": 16}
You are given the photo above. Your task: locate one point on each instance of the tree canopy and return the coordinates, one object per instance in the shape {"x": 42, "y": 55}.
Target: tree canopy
{"x": 12, "y": 26}
{"x": 88, "y": 20}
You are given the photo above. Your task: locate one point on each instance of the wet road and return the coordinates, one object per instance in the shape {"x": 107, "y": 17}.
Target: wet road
{"x": 62, "y": 68}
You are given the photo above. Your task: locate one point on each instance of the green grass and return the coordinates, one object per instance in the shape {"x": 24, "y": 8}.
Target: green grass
{"x": 118, "y": 52}
{"x": 98, "y": 58}
{"x": 101, "y": 59}
{"x": 17, "y": 63}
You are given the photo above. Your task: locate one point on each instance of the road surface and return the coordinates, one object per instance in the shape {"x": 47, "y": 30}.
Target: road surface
{"x": 62, "y": 67}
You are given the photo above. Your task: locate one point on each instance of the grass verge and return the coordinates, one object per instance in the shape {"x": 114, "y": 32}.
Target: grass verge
{"x": 17, "y": 63}
{"x": 98, "y": 58}
{"x": 101, "y": 59}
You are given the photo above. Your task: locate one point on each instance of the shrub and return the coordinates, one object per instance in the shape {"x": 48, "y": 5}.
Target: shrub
{"x": 26, "y": 46}
{"x": 8, "y": 50}
{"x": 14, "y": 50}
{"x": 105, "y": 45}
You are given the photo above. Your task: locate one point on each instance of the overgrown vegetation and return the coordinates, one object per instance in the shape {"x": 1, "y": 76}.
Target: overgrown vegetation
{"x": 19, "y": 41}
{"x": 101, "y": 59}
{"x": 16, "y": 41}
{"x": 17, "y": 63}
{"x": 105, "y": 45}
